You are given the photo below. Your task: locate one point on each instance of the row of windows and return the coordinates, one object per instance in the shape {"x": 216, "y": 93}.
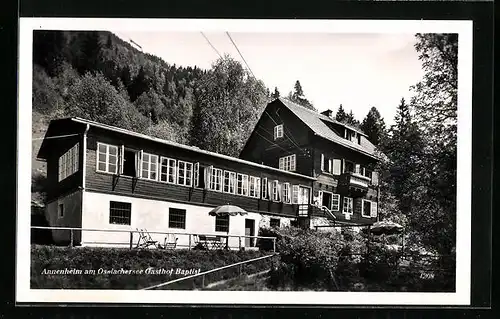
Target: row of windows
{"x": 337, "y": 166}
{"x": 331, "y": 165}
{"x": 68, "y": 162}
{"x": 332, "y": 202}
{"x": 232, "y": 182}
{"x": 120, "y": 213}
{"x": 144, "y": 165}
{"x": 246, "y": 185}
{"x": 111, "y": 159}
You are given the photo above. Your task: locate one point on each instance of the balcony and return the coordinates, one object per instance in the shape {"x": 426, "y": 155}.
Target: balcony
{"x": 354, "y": 181}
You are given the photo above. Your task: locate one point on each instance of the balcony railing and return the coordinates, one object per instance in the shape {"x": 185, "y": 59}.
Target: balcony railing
{"x": 351, "y": 179}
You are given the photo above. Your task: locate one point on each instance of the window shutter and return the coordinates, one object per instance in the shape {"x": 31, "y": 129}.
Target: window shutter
{"x": 280, "y": 195}
{"x": 140, "y": 163}
{"x": 322, "y": 162}
{"x": 343, "y": 166}
{"x": 295, "y": 194}
{"x": 270, "y": 190}
{"x": 375, "y": 178}
{"x": 208, "y": 176}
{"x": 282, "y": 163}
{"x": 196, "y": 174}
{"x": 373, "y": 212}
{"x": 264, "y": 188}
{"x": 357, "y": 169}
{"x": 330, "y": 164}
{"x": 357, "y": 206}
{"x": 336, "y": 166}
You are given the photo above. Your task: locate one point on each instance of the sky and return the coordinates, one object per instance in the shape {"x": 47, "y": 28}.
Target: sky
{"x": 353, "y": 69}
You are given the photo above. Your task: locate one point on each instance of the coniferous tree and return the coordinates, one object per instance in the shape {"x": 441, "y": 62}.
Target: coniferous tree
{"x": 435, "y": 104}
{"x": 341, "y": 116}
{"x": 275, "y": 94}
{"x": 373, "y": 125}
{"x": 91, "y": 47}
{"x": 297, "y": 96}
{"x": 140, "y": 84}
{"x": 351, "y": 120}
{"x": 48, "y": 50}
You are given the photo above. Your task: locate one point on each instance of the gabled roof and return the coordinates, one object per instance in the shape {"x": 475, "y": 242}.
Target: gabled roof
{"x": 316, "y": 122}
{"x": 183, "y": 146}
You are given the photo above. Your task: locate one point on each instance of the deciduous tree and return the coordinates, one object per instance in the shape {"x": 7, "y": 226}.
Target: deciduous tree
{"x": 228, "y": 106}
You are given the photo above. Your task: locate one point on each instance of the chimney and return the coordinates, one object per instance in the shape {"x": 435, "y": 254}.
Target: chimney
{"x": 328, "y": 113}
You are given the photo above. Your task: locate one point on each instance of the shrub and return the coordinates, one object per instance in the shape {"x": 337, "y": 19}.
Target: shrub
{"x": 307, "y": 259}
{"x": 86, "y": 258}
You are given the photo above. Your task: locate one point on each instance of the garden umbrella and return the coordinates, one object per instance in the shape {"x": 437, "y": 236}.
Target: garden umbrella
{"x": 386, "y": 227}
{"x": 230, "y": 210}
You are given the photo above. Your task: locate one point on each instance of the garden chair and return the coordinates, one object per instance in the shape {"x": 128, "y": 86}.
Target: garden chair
{"x": 145, "y": 240}
{"x": 170, "y": 241}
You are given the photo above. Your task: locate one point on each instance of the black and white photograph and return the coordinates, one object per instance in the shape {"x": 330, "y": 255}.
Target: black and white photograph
{"x": 263, "y": 162}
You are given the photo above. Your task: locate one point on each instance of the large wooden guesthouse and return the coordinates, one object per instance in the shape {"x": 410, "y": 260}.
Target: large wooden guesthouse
{"x": 297, "y": 168}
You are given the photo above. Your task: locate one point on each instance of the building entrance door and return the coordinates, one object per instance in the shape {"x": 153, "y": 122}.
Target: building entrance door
{"x": 249, "y": 231}
{"x": 303, "y": 200}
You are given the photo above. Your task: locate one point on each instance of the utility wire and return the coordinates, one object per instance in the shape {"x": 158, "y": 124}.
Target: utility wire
{"x": 241, "y": 55}
{"x": 53, "y": 137}
{"x": 211, "y": 44}
{"x": 270, "y": 141}
{"x": 286, "y": 135}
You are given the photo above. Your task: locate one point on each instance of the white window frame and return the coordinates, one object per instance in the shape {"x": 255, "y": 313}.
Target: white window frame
{"x": 275, "y": 191}
{"x": 69, "y": 162}
{"x": 232, "y": 182}
{"x": 106, "y": 162}
{"x": 373, "y": 208}
{"x": 264, "y": 188}
{"x": 350, "y": 202}
{"x": 286, "y": 193}
{"x": 196, "y": 174}
{"x": 295, "y": 194}
{"x": 278, "y": 131}
{"x": 288, "y": 163}
{"x": 363, "y": 201}
{"x": 338, "y": 202}
{"x": 254, "y": 186}
{"x": 171, "y": 170}
{"x": 226, "y": 176}
{"x": 244, "y": 184}
{"x": 217, "y": 180}
{"x": 188, "y": 168}
{"x": 148, "y": 166}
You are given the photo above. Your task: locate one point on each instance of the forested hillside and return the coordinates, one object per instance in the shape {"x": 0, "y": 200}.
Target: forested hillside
{"x": 98, "y": 76}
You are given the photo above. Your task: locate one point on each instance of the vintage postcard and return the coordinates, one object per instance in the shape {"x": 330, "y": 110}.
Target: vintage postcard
{"x": 318, "y": 162}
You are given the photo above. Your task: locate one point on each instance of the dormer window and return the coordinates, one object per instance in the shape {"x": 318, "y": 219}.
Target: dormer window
{"x": 278, "y": 131}
{"x": 352, "y": 136}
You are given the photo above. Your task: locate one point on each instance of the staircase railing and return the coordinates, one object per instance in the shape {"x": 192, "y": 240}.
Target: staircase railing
{"x": 328, "y": 211}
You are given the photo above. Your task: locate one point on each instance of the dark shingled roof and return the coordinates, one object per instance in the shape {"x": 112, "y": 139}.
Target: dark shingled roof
{"x": 316, "y": 122}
